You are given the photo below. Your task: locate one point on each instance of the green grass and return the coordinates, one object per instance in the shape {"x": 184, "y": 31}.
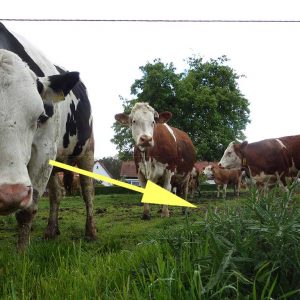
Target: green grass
{"x": 232, "y": 249}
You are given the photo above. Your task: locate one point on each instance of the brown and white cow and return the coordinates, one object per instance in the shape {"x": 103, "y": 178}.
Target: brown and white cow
{"x": 224, "y": 177}
{"x": 263, "y": 160}
{"x": 292, "y": 144}
{"x": 163, "y": 154}
{"x": 193, "y": 182}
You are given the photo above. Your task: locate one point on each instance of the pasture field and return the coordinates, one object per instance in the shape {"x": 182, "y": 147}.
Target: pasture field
{"x": 232, "y": 249}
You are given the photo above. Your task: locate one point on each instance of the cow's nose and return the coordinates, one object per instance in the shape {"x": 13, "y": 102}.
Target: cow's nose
{"x": 15, "y": 195}
{"x": 145, "y": 139}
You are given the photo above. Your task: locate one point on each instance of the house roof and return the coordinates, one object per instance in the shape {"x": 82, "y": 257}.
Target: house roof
{"x": 128, "y": 169}
{"x": 200, "y": 165}
{"x": 102, "y": 165}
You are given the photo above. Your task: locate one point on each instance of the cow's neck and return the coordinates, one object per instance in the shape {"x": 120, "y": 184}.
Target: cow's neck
{"x": 244, "y": 165}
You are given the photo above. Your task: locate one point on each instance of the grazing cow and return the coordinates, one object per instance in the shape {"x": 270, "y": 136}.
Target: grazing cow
{"x": 224, "y": 177}
{"x": 163, "y": 154}
{"x": 34, "y": 129}
{"x": 193, "y": 182}
{"x": 263, "y": 160}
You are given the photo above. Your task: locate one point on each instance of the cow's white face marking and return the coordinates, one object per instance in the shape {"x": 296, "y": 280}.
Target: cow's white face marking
{"x": 20, "y": 106}
{"x": 230, "y": 159}
{"x": 142, "y": 124}
{"x": 208, "y": 172}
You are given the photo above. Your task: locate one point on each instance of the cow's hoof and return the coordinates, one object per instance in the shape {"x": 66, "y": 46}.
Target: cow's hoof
{"x": 90, "y": 231}
{"x": 21, "y": 247}
{"x": 165, "y": 215}
{"x": 91, "y": 237}
{"x": 145, "y": 217}
{"x": 185, "y": 212}
{"x": 51, "y": 233}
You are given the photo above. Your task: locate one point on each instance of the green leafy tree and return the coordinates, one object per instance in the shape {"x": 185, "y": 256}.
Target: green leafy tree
{"x": 205, "y": 101}
{"x": 112, "y": 165}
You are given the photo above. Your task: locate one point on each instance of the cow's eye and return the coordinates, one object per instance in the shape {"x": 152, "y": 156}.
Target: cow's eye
{"x": 228, "y": 153}
{"x": 42, "y": 119}
{"x": 133, "y": 122}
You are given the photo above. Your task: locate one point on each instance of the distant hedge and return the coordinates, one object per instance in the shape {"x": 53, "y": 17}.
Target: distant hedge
{"x": 107, "y": 190}
{"x": 207, "y": 187}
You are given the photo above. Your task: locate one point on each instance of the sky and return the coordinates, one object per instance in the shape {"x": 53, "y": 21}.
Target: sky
{"x": 108, "y": 54}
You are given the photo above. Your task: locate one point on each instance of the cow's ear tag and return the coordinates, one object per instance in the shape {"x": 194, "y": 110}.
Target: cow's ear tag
{"x": 244, "y": 162}
{"x": 59, "y": 96}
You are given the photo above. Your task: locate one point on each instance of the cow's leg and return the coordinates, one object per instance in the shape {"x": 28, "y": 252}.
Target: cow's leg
{"x": 24, "y": 220}
{"x": 239, "y": 183}
{"x": 218, "y": 190}
{"x": 282, "y": 182}
{"x": 167, "y": 185}
{"x": 146, "y": 212}
{"x": 87, "y": 189}
{"x": 224, "y": 190}
{"x": 185, "y": 189}
{"x": 234, "y": 189}
{"x": 52, "y": 229}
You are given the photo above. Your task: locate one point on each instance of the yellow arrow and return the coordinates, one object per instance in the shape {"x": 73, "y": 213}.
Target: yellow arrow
{"x": 152, "y": 192}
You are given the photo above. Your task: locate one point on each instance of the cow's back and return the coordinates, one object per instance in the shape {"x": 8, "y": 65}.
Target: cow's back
{"x": 186, "y": 151}
{"x": 292, "y": 144}
{"x": 226, "y": 176}
{"x": 269, "y": 156}
{"x": 76, "y": 123}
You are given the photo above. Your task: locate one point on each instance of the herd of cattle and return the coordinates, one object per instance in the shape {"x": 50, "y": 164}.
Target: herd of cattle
{"x": 45, "y": 114}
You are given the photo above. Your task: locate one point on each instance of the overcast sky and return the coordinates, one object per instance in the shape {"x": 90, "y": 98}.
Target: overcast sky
{"x": 108, "y": 55}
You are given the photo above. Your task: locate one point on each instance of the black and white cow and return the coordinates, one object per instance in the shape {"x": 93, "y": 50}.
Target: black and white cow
{"x": 35, "y": 126}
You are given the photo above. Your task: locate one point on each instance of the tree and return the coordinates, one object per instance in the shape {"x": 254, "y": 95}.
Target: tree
{"x": 205, "y": 101}
{"x": 112, "y": 165}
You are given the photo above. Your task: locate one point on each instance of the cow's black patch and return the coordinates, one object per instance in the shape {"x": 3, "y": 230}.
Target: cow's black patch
{"x": 49, "y": 112}
{"x": 40, "y": 86}
{"x": 9, "y": 42}
{"x": 78, "y": 120}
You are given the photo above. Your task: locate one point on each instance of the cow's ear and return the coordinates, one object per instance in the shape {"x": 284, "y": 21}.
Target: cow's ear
{"x": 243, "y": 146}
{"x": 56, "y": 87}
{"x": 163, "y": 117}
{"x": 123, "y": 119}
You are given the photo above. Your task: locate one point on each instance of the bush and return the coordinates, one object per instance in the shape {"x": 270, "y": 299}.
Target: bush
{"x": 246, "y": 252}
{"x": 108, "y": 190}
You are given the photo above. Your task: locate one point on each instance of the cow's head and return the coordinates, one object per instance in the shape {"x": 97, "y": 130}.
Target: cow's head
{"x": 208, "y": 171}
{"x": 232, "y": 157}
{"x": 22, "y": 96}
{"x": 142, "y": 120}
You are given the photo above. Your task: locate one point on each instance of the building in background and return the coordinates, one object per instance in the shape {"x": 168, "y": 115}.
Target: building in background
{"x": 100, "y": 169}
{"x": 128, "y": 172}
